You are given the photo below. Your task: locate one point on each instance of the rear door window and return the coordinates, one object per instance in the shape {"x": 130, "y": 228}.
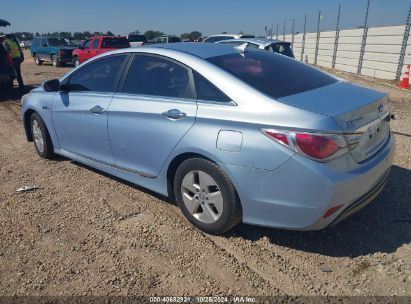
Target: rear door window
{"x": 155, "y": 76}
{"x": 207, "y": 91}
{"x": 115, "y": 43}
{"x": 274, "y": 75}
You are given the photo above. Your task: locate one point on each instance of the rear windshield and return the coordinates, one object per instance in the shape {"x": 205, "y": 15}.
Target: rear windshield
{"x": 137, "y": 38}
{"x": 115, "y": 42}
{"x": 57, "y": 42}
{"x": 274, "y": 75}
{"x": 281, "y": 48}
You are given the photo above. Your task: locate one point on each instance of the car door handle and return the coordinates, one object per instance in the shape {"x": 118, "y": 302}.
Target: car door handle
{"x": 174, "y": 114}
{"x": 97, "y": 109}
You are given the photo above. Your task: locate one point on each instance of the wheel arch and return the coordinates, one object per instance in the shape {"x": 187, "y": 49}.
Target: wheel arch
{"x": 174, "y": 164}
{"x": 26, "y": 121}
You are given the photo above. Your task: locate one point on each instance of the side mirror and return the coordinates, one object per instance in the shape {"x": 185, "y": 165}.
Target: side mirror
{"x": 52, "y": 85}
{"x": 81, "y": 47}
{"x": 64, "y": 88}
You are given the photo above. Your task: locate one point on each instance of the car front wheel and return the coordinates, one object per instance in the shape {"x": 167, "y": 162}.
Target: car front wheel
{"x": 55, "y": 61}
{"x": 206, "y": 196}
{"x": 38, "y": 60}
{"x": 41, "y": 137}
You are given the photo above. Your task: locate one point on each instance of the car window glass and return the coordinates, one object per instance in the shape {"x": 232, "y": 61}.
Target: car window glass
{"x": 282, "y": 48}
{"x": 87, "y": 44}
{"x": 99, "y": 76}
{"x": 43, "y": 42}
{"x": 57, "y": 42}
{"x": 207, "y": 91}
{"x": 115, "y": 42}
{"x": 150, "y": 75}
{"x": 95, "y": 43}
{"x": 252, "y": 45}
{"x": 274, "y": 75}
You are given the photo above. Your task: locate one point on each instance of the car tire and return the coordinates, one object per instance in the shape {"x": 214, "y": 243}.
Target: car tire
{"x": 41, "y": 137}
{"x": 76, "y": 61}
{"x": 54, "y": 61}
{"x": 206, "y": 196}
{"x": 37, "y": 60}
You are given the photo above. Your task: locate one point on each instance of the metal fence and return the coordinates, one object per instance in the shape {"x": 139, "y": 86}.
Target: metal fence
{"x": 380, "y": 52}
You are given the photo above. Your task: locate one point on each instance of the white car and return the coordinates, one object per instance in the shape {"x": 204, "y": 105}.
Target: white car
{"x": 220, "y": 37}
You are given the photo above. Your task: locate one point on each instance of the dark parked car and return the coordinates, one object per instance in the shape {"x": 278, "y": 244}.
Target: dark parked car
{"x": 136, "y": 40}
{"x": 55, "y": 50}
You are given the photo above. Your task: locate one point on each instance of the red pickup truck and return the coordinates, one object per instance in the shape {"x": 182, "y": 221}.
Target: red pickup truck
{"x": 98, "y": 45}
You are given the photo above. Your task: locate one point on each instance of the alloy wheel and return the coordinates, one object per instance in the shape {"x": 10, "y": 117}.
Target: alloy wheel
{"x": 202, "y": 196}
{"x": 38, "y": 136}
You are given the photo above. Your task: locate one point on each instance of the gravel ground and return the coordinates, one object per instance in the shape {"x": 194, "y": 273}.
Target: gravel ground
{"x": 85, "y": 233}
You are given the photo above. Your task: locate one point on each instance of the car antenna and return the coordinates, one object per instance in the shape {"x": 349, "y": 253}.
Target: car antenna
{"x": 241, "y": 47}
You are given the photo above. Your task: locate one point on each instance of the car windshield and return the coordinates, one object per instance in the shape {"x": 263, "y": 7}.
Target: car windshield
{"x": 281, "y": 48}
{"x": 137, "y": 38}
{"x": 274, "y": 75}
{"x": 57, "y": 42}
{"x": 115, "y": 42}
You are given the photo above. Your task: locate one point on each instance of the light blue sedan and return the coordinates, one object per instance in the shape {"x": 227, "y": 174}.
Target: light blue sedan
{"x": 232, "y": 135}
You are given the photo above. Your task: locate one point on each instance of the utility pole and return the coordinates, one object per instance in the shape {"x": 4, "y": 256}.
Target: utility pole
{"x": 317, "y": 43}
{"x": 303, "y": 42}
{"x": 404, "y": 46}
{"x": 337, "y": 36}
{"x": 364, "y": 39}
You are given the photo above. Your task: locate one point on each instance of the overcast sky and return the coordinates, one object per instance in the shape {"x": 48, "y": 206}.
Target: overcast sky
{"x": 206, "y": 16}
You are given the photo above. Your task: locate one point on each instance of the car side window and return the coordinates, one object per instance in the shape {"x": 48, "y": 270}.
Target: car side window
{"x": 98, "y": 76}
{"x": 87, "y": 44}
{"x": 43, "y": 42}
{"x": 207, "y": 91}
{"x": 155, "y": 76}
{"x": 95, "y": 43}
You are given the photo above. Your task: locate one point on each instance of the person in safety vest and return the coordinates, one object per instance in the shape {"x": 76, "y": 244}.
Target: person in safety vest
{"x": 17, "y": 56}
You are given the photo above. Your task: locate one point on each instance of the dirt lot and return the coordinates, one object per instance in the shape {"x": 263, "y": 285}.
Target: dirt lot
{"x": 85, "y": 233}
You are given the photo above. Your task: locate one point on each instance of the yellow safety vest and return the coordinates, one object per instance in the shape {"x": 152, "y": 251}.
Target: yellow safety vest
{"x": 13, "y": 48}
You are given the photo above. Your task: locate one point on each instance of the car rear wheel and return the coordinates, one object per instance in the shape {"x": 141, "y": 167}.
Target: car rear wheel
{"x": 206, "y": 196}
{"x": 37, "y": 60}
{"x": 76, "y": 61}
{"x": 55, "y": 61}
{"x": 41, "y": 137}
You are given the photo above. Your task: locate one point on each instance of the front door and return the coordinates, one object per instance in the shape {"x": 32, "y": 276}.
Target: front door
{"x": 80, "y": 115}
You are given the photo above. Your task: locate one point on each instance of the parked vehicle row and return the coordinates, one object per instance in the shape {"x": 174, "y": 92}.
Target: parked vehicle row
{"x": 232, "y": 134}
{"x": 98, "y": 45}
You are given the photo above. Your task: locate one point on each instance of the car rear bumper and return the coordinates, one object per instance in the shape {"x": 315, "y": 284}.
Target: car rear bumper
{"x": 299, "y": 193}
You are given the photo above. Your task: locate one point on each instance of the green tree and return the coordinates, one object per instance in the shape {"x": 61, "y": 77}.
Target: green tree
{"x": 136, "y": 32}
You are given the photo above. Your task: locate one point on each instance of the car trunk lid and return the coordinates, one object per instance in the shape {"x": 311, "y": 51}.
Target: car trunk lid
{"x": 361, "y": 113}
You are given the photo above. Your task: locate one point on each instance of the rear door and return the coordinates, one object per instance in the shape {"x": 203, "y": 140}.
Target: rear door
{"x": 155, "y": 107}
{"x": 43, "y": 49}
{"x": 80, "y": 116}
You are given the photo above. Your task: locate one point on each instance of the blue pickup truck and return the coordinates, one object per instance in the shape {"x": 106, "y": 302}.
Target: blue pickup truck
{"x": 51, "y": 49}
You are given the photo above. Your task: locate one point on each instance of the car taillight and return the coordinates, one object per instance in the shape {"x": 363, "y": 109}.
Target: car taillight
{"x": 320, "y": 147}
{"x": 316, "y": 146}
{"x": 280, "y": 137}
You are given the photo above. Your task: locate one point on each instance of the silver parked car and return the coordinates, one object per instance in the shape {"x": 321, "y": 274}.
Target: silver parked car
{"x": 232, "y": 135}
{"x": 271, "y": 45}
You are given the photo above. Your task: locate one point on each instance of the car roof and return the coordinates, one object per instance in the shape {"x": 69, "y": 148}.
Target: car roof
{"x": 260, "y": 41}
{"x": 202, "y": 50}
